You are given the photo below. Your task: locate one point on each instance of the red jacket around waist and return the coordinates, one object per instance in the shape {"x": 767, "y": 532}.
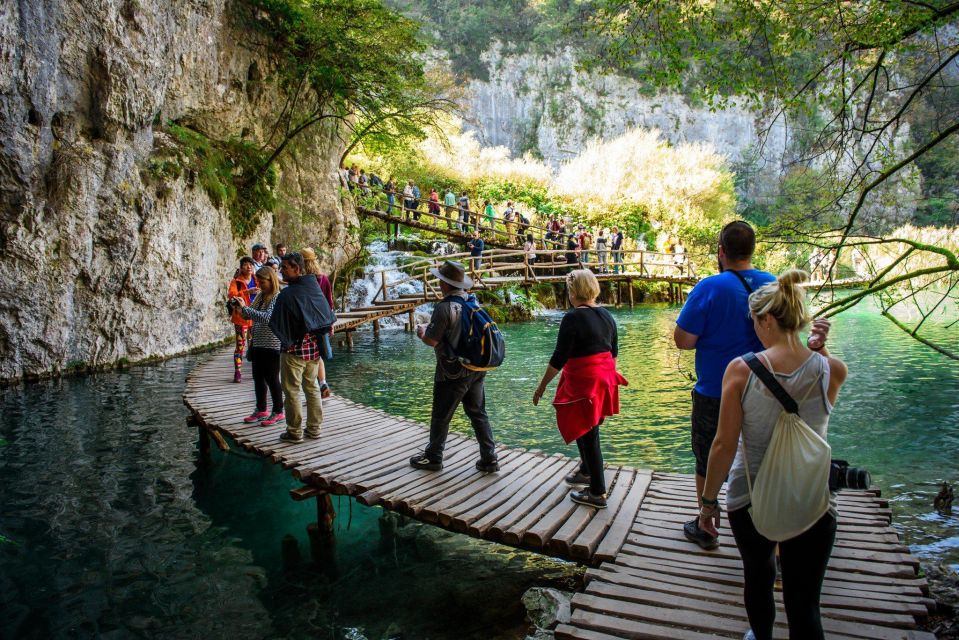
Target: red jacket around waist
{"x": 588, "y": 391}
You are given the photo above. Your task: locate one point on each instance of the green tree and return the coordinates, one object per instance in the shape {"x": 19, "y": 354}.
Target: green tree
{"x": 351, "y": 62}
{"x": 856, "y": 73}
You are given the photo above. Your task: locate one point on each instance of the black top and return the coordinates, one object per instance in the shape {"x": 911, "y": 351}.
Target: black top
{"x": 584, "y": 331}
{"x": 300, "y": 308}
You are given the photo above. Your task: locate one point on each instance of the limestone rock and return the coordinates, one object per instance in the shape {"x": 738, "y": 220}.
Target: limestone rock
{"x": 102, "y": 264}
{"x": 547, "y": 607}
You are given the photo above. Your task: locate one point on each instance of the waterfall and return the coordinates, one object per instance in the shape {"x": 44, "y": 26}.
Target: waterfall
{"x": 382, "y": 258}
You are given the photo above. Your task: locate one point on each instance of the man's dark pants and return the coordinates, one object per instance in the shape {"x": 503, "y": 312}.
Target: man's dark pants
{"x": 705, "y": 420}
{"x": 447, "y": 395}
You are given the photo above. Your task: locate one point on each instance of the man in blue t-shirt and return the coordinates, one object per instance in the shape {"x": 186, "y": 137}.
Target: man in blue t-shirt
{"x": 715, "y": 321}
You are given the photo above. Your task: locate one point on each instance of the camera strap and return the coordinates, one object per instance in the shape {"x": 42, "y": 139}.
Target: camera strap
{"x": 742, "y": 279}
{"x": 768, "y": 379}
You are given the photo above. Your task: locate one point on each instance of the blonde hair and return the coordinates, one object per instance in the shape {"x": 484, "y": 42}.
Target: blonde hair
{"x": 582, "y": 285}
{"x": 267, "y": 273}
{"x": 310, "y": 263}
{"x": 784, "y": 299}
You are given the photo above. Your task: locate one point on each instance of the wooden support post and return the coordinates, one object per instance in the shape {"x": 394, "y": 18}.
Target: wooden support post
{"x": 629, "y": 283}
{"x": 383, "y": 278}
{"x": 411, "y": 320}
{"x": 321, "y": 531}
{"x": 376, "y": 327}
{"x": 526, "y": 267}
{"x": 349, "y": 339}
{"x": 204, "y": 436}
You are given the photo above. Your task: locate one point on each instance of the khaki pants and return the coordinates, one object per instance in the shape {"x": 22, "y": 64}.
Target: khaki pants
{"x": 297, "y": 373}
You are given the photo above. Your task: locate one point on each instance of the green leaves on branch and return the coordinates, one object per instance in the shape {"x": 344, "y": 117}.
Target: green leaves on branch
{"x": 353, "y": 63}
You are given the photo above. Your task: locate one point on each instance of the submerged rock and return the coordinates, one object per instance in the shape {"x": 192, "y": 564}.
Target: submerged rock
{"x": 546, "y": 607}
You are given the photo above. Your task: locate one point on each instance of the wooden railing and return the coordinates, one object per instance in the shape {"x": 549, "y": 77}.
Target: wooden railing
{"x": 503, "y": 267}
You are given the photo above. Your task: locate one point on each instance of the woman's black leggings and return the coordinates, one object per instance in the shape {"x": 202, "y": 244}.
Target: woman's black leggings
{"x": 803, "y": 561}
{"x": 592, "y": 460}
{"x": 266, "y": 375}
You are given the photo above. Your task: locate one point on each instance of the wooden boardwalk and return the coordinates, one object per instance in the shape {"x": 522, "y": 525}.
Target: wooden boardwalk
{"x": 645, "y": 580}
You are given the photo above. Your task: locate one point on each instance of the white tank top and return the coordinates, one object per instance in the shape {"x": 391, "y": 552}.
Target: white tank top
{"x": 807, "y": 385}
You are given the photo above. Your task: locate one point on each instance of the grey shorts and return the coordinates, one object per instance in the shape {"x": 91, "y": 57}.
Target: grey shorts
{"x": 705, "y": 419}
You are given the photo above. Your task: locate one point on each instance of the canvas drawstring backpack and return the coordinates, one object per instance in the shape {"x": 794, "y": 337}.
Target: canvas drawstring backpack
{"x": 791, "y": 492}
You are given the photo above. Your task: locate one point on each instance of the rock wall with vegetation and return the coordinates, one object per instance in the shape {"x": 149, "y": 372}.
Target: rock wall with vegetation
{"x": 130, "y": 130}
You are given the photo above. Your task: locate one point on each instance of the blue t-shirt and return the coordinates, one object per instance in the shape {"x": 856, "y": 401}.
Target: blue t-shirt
{"x": 717, "y": 311}
{"x": 476, "y": 247}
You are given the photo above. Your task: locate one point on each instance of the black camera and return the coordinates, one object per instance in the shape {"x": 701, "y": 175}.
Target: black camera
{"x": 231, "y": 305}
{"x": 842, "y": 476}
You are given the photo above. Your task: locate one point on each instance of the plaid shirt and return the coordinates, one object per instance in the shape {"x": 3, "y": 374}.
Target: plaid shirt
{"x": 308, "y": 348}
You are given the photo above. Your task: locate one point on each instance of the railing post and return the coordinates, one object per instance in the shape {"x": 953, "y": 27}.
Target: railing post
{"x": 383, "y": 278}
{"x": 525, "y": 266}
{"x": 426, "y": 291}
{"x": 642, "y": 262}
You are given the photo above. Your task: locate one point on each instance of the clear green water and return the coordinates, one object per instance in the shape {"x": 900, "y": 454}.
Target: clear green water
{"x": 111, "y": 528}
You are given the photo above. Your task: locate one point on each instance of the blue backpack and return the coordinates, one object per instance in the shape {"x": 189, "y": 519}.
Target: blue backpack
{"x": 481, "y": 346}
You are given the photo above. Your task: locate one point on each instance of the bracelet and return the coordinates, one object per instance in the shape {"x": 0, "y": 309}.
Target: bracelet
{"x": 709, "y": 503}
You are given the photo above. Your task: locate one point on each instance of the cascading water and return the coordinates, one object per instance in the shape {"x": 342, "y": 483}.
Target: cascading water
{"x": 363, "y": 290}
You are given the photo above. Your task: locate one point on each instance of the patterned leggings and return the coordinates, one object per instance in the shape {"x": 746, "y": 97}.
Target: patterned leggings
{"x": 240, "y": 347}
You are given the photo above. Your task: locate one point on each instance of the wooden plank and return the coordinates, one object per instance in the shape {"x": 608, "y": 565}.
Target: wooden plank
{"x": 541, "y": 531}
{"x": 511, "y": 530}
{"x": 562, "y": 539}
{"x": 623, "y": 628}
{"x": 614, "y": 538}
{"x": 432, "y": 509}
{"x": 536, "y": 487}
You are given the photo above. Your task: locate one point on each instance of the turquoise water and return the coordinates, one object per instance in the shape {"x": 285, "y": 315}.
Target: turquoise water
{"x": 112, "y": 529}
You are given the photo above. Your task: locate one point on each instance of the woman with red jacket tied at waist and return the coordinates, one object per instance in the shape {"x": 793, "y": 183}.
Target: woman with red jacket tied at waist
{"x": 588, "y": 390}
{"x": 312, "y": 265}
{"x": 242, "y": 286}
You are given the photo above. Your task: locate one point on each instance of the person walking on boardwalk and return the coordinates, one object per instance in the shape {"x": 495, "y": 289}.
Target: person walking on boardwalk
{"x": 616, "y": 246}
{"x": 408, "y": 202}
{"x": 434, "y": 206}
{"x": 243, "y": 285}
{"x": 588, "y": 389}
{"x": 449, "y": 203}
{"x": 750, "y": 412}
{"x": 311, "y": 266}
{"x": 300, "y": 314}
{"x": 489, "y": 213}
{"x": 715, "y": 322}
{"x": 464, "y": 203}
{"x": 453, "y": 382}
{"x": 509, "y": 215}
{"x": 476, "y": 246}
{"x": 390, "y": 191}
{"x": 264, "y": 353}
{"x": 601, "y": 251}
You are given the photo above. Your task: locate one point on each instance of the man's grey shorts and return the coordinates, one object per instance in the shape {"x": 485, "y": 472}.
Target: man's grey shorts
{"x": 705, "y": 420}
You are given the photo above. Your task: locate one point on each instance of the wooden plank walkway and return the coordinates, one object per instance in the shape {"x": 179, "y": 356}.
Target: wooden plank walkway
{"x": 661, "y": 586}
{"x": 645, "y": 580}
{"x": 364, "y": 453}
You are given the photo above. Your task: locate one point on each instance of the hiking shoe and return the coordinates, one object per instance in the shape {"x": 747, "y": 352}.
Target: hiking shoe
{"x": 237, "y": 377}
{"x": 694, "y": 534}
{"x": 313, "y": 436}
{"x": 585, "y": 497}
{"x": 487, "y": 467}
{"x": 578, "y": 478}
{"x": 325, "y": 391}
{"x": 420, "y": 461}
{"x": 256, "y": 416}
{"x": 749, "y": 635}
{"x": 273, "y": 419}
{"x": 286, "y": 436}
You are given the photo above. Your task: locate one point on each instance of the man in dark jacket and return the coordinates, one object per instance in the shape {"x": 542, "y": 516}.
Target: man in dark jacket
{"x": 301, "y": 316}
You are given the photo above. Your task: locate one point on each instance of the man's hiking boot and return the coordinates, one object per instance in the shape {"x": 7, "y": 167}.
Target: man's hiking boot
{"x": 420, "y": 461}
{"x": 487, "y": 467}
{"x": 256, "y": 416}
{"x": 585, "y": 497}
{"x": 694, "y": 534}
{"x": 313, "y": 436}
{"x": 578, "y": 478}
{"x": 286, "y": 436}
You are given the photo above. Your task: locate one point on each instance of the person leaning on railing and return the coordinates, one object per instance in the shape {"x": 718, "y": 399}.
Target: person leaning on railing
{"x": 264, "y": 351}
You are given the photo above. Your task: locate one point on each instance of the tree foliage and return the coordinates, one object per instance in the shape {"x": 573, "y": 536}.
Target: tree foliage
{"x": 354, "y": 63}
{"x": 853, "y": 77}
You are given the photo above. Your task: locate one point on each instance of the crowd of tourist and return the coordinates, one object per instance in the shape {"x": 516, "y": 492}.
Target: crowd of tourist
{"x": 557, "y": 238}
{"x": 751, "y": 368}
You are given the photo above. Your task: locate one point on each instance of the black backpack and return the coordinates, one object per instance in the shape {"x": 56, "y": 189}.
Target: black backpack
{"x": 481, "y": 346}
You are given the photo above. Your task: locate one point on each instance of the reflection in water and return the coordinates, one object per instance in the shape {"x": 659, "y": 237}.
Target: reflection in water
{"x": 116, "y": 532}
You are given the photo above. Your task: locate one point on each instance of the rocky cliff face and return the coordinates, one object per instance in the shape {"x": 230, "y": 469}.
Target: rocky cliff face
{"x": 543, "y": 104}
{"x": 103, "y": 262}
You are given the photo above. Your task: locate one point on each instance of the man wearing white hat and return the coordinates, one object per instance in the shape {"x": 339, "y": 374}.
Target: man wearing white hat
{"x": 453, "y": 383}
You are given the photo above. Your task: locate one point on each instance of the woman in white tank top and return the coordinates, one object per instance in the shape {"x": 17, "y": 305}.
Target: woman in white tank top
{"x": 750, "y": 411}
